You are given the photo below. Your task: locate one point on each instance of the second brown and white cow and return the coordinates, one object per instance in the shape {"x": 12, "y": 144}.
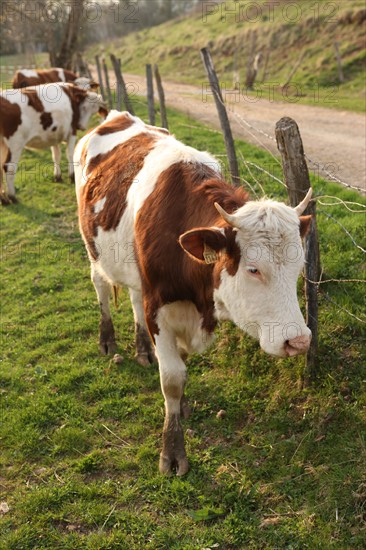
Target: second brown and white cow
{"x": 33, "y": 77}
{"x": 158, "y": 217}
{"x": 39, "y": 117}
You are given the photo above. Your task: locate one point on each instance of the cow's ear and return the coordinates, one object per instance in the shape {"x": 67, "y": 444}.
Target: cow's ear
{"x": 305, "y": 223}
{"x": 203, "y": 244}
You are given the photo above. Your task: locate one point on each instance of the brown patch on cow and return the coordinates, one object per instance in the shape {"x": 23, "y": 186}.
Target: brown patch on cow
{"x": 76, "y": 96}
{"x": 35, "y": 102}
{"x": 103, "y": 112}
{"x": 183, "y": 199}
{"x": 110, "y": 177}
{"x": 10, "y": 117}
{"x": 46, "y": 121}
{"x": 43, "y": 77}
{"x": 116, "y": 124}
{"x": 70, "y": 76}
{"x": 305, "y": 224}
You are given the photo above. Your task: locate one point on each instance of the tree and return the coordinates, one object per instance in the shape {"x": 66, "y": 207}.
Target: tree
{"x": 71, "y": 34}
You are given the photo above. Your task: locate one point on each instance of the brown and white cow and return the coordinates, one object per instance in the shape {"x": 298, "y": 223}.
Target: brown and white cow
{"x": 39, "y": 117}
{"x": 33, "y": 77}
{"x": 158, "y": 217}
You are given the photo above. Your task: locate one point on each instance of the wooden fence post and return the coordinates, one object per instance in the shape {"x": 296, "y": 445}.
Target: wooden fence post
{"x": 150, "y": 94}
{"x": 224, "y": 119}
{"x": 159, "y": 85}
{"x": 100, "y": 77}
{"x": 122, "y": 95}
{"x": 339, "y": 62}
{"x": 297, "y": 180}
{"x": 105, "y": 70}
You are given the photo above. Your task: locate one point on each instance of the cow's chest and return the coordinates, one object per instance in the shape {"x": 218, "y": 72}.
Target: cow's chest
{"x": 185, "y": 322}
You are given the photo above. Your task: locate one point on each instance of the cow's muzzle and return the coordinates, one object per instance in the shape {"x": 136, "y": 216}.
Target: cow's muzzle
{"x": 297, "y": 346}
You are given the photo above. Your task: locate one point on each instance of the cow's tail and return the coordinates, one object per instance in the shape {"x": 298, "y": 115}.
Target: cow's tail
{"x": 115, "y": 290}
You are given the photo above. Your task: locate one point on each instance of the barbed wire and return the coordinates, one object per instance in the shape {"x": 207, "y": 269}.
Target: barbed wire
{"x": 340, "y": 202}
{"x": 327, "y": 297}
{"x": 322, "y": 168}
{"x": 266, "y": 172}
{"x": 344, "y": 229}
{"x": 318, "y": 164}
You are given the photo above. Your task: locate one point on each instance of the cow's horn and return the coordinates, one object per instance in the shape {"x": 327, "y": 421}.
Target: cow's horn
{"x": 229, "y": 218}
{"x": 299, "y": 209}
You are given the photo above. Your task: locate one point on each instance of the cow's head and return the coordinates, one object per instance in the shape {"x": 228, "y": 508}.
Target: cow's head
{"x": 86, "y": 83}
{"x": 90, "y": 104}
{"x": 257, "y": 256}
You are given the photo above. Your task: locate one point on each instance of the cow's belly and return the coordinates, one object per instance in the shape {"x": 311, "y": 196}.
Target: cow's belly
{"x": 43, "y": 142}
{"x": 183, "y": 318}
{"x": 116, "y": 255}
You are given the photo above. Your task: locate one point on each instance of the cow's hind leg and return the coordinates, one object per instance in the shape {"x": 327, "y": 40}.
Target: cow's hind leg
{"x": 145, "y": 353}
{"x": 107, "y": 342}
{"x": 56, "y": 157}
{"x": 172, "y": 377}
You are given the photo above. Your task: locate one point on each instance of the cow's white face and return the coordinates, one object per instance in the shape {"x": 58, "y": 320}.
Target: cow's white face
{"x": 88, "y": 107}
{"x": 258, "y": 259}
{"x": 261, "y": 297}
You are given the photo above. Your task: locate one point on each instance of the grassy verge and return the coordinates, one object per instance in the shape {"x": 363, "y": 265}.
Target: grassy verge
{"x": 286, "y": 32}
{"x": 80, "y": 435}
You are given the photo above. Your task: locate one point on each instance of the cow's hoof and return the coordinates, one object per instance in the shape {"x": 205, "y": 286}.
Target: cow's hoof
{"x": 168, "y": 464}
{"x": 108, "y": 348}
{"x": 72, "y": 178}
{"x": 143, "y": 359}
{"x": 5, "y": 199}
{"x": 57, "y": 179}
{"x": 146, "y": 359}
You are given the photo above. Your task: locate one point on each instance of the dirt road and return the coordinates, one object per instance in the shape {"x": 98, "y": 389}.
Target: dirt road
{"x": 336, "y": 139}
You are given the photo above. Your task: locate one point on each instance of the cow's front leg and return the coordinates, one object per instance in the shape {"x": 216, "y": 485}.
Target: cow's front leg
{"x": 70, "y": 153}
{"x": 10, "y": 168}
{"x": 172, "y": 378}
{"x": 145, "y": 353}
{"x": 107, "y": 341}
{"x": 56, "y": 157}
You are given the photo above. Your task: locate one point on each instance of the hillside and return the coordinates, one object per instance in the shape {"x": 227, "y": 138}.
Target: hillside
{"x": 285, "y": 33}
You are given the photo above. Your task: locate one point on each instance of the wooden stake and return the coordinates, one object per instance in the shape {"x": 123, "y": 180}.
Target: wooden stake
{"x": 339, "y": 62}
{"x": 224, "y": 119}
{"x": 122, "y": 95}
{"x": 100, "y": 78}
{"x": 150, "y": 94}
{"x": 159, "y": 85}
{"x": 105, "y": 70}
{"x": 297, "y": 180}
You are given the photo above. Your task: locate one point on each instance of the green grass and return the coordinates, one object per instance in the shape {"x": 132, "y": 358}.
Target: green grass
{"x": 285, "y": 31}
{"x": 80, "y": 435}
{"x": 25, "y": 61}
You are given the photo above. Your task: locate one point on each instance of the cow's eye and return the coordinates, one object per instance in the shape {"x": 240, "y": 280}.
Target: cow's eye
{"x": 253, "y": 270}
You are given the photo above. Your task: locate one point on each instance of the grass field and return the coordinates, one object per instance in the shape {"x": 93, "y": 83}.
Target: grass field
{"x": 286, "y": 32}
{"x": 80, "y": 435}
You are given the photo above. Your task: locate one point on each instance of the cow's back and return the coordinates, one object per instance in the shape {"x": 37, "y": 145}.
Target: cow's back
{"x": 33, "y": 77}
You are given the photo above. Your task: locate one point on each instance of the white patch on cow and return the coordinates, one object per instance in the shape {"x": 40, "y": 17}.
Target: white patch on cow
{"x": 185, "y": 321}
{"x": 83, "y": 82}
{"x": 28, "y": 73}
{"x": 100, "y": 145}
{"x": 166, "y": 152}
{"x": 61, "y": 74}
{"x": 98, "y": 207}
